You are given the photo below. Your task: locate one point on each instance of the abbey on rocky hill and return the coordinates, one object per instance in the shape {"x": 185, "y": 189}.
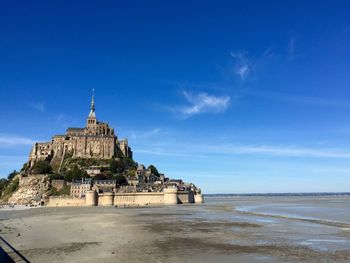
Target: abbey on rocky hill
{"x": 97, "y": 140}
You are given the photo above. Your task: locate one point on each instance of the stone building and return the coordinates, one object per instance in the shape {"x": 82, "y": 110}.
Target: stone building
{"x": 97, "y": 140}
{"x": 78, "y": 188}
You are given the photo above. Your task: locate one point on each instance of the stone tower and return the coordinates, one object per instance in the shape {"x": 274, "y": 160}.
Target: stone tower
{"x": 91, "y": 121}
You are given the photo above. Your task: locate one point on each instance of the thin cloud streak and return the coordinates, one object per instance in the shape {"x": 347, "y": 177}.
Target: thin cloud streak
{"x": 207, "y": 150}
{"x": 13, "y": 141}
{"x": 38, "y": 106}
{"x": 144, "y": 134}
{"x": 288, "y": 151}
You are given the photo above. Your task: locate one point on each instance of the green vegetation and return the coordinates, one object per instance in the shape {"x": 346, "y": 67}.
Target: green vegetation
{"x": 131, "y": 172}
{"x": 129, "y": 162}
{"x": 24, "y": 167}
{"x": 11, "y": 187}
{"x": 153, "y": 170}
{"x": 75, "y": 169}
{"x": 64, "y": 191}
{"x": 116, "y": 166}
{"x": 11, "y": 175}
{"x": 75, "y": 173}
{"x": 42, "y": 167}
{"x": 56, "y": 176}
{"x": 83, "y": 163}
{"x": 3, "y": 184}
{"x": 120, "y": 179}
{"x": 8, "y": 186}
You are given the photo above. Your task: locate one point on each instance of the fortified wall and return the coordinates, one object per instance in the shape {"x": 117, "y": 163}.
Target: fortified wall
{"x": 92, "y": 198}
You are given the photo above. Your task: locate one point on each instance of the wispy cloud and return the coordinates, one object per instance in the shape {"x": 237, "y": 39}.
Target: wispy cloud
{"x": 289, "y": 151}
{"x": 202, "y": 103}
{"x": 13, "y": 140}
{"x": 144, "y": 134}
{"x": 201, "y": 150}
{"x": 39, "y": 106}
{"x": 242, "y": 66}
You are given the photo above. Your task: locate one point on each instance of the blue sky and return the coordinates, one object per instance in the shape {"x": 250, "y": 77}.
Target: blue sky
{"x": 237, "y": 97}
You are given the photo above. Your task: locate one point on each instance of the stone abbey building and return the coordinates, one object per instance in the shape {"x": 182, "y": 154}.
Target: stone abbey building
{"x": 96, "y": 140}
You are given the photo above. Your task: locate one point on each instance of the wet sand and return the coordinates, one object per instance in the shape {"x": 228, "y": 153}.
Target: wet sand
{"x": 213, "y": 232}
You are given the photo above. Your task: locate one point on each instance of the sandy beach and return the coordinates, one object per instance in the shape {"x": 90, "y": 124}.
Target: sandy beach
{"x": 216, "y": 231}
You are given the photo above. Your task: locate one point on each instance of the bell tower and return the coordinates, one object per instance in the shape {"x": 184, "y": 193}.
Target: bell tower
{"x": 91, "y": 121}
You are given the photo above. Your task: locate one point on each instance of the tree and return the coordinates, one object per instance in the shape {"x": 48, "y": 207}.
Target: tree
{"x": 153, "y": 170}
{"x": 10, "y": 188}
{"x": 100, "y": 177}
{"x": 56, "y": 176}
{"x": 116, "y": 166}
{"x": 120, "y": 180}
{"x": 42, "y": 167}
{"x": 129, "y": 162}
{"x": 75, "y": 174}
{"x": 3, "y": 184}
{"x": 11, "y": 175}
{"x": 131, "y": 172}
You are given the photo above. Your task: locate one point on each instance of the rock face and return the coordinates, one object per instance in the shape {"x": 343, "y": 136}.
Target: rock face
{"x": 33, "y": 190}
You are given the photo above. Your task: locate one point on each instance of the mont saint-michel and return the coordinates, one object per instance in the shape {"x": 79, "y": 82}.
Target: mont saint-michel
{"x": 219, "y": 131}
{"x": 91, "y": 167}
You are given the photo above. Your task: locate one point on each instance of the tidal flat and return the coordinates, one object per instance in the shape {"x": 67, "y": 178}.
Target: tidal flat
{"x": 224, "y": 229}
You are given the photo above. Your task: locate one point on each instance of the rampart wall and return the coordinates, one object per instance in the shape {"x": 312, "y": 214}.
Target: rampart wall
{"x": 168, "y": 197}
{"x": 138, "y": 199}
{"x": 65, "y": 201}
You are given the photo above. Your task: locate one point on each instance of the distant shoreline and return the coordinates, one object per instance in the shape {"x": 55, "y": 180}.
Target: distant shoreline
{"x": 282, "y": 194}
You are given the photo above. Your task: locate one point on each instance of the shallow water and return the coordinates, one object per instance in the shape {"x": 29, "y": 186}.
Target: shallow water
{"x": 319, "y": 223}
{"x": 292, "y": 220}
{"x": 322, "y": 208}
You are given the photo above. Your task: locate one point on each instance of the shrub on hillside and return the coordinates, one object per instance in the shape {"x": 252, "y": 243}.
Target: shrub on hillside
{"x": 120, "y": 180}
{"x": 3, "y": 184}
{"x": 10, "y": 189}
{"x": 64, "y": 191}
{"x": 153, "y": 170}
{"x": 56, "y": 176}
{"x": 116, "y": 166}
{"x": 42, "y": 167}
{"x": 11, "y": 175}
{"x": 75, "y": 174}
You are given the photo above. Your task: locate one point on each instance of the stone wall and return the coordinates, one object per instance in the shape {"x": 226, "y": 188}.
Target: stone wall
{"x": 106, "y": 199}
{"x": 138, "y": 199}
{"x": 65, "y": 201}
{"x": 168, "y": 197}
{"x": 185, "y": 197}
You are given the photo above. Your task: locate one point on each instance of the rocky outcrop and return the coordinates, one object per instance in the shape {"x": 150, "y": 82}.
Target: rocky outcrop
{"x": 32, "y": 190}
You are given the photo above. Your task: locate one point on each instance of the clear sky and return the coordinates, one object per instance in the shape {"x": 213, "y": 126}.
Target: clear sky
{"x": 249, "y": 96}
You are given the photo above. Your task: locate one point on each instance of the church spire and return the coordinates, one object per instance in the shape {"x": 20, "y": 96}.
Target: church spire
{"x": 92, "y": 108}
{"x": 92, "y": 100}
